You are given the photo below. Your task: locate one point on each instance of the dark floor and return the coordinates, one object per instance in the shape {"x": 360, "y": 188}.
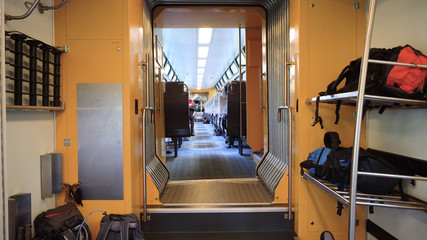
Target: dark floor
{"x": 279, "y": 235}
{"x": 206, "y": 156}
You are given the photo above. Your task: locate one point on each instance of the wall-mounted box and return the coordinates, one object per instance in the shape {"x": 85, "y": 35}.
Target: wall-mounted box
{"x": 19, "y": 214}
{"x": 51, "y": 174}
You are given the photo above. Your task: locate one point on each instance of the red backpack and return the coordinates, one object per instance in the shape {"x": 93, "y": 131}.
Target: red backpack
{"x": 408, "y": 79}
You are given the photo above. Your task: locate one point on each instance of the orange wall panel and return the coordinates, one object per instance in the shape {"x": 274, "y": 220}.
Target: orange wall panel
{"x": 105, "y": 45}
{"x": 95, "y": 19}
{"x": 95, "y": 61}
{"x": 254, "y": 117}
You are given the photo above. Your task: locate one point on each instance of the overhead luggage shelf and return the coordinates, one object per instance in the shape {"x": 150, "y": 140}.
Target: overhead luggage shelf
{"x": 350, "y": 98}
{"x": 389, "y": 201}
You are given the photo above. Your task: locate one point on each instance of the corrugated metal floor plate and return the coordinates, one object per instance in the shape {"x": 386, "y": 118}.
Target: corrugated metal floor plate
{"x": 223, "y": 192}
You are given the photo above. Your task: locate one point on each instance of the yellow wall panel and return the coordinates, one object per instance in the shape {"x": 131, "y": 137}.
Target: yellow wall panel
{"x": 94, "y": 19}
{"x": 326, "y": 38}
{"x": 95, "y": 61}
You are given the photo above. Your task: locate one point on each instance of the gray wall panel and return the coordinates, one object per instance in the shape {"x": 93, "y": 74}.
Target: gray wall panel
{"x": 275, "y": 164}
{"x": 100, "y": 140}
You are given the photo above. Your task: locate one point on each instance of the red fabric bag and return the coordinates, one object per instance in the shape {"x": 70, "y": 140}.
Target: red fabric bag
{"x": 408, "y": 79}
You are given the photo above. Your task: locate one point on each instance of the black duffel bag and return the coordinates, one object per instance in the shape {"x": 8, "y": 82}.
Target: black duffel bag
{"x": 62, "y": 222}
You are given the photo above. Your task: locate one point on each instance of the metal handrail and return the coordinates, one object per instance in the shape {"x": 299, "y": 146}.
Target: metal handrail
{"x": 279, "y": 119}
{"x": 261, "y": 75}
{"x": 358, "y": 124}
{"x": 30, "y": 10}
{"x": 31, "y": 6}
{"x": 397, "y": 63}
{"x": 407, "y": 177}
{"x": 145, "y": 64}
{"x": 144, "y": 161}
{"x": 42, "y": 7}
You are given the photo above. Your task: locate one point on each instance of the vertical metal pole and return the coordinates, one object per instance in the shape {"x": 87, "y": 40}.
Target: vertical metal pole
{"x": 357, "y": 129}
{"x": 240, "y": 89}
{"x": 56, "y": 77}
{"x": 33, "y": 72}
{"x": 287, "y": 83}
{"x": 144, "y": 174}
{"x": 144, "y": 139}
{"x": 19, "y": 48}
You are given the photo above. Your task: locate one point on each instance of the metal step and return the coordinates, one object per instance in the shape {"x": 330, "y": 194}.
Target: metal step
{"x": 216, "y": 192}
{"x": 217, "y": 220}
{"x": 276, "y": 235}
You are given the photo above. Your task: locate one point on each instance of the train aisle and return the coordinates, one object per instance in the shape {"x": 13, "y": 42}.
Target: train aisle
{"x": 206, "y": 156}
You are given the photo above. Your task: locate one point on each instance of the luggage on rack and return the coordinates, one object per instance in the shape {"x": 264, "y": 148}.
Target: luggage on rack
{"x": 120, "y": 227}
{"x": 387, "y": 80}
{"x": 381, "y": 79}
{"x": 334, "y": 163}
{"x": 62, "y": 222}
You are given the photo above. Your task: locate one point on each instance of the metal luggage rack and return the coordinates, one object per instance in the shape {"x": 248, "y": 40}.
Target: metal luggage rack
{"x": 372, "y": 101}
{"x": 389, "y": 201}
{"x": 350, "y": 198}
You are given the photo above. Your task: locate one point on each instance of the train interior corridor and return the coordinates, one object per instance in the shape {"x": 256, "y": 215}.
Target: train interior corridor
{"x": 207, "y": 156}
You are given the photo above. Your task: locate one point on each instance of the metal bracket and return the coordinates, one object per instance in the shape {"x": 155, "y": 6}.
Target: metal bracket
{"x": 67, "y": 142}
{"x": 65, "y": 49}
{"x": 356, "y": 5}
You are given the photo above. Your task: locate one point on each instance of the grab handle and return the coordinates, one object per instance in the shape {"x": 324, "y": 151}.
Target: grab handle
{"x": 261, "y": 75}
{"x": 279, "y": 119}
{"x": 144, "y": 161}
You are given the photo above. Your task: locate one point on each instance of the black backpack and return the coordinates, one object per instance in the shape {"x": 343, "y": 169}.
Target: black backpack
{"x": 62, "y": 222}
{"x": 376, "y": 80}
{"x": 337, "y": 169}
{"x": 120, "y": 227}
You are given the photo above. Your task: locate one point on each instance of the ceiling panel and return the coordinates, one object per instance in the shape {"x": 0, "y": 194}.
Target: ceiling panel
{"x": 180, "y": 46}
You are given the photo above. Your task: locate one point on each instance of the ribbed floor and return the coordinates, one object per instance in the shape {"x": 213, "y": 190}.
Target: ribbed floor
{"x": 206, "y": 156}
{"x": 223, "y": 192}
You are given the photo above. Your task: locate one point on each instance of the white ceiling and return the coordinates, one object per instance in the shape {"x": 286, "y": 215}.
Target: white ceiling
{"x": 181, "y": 44}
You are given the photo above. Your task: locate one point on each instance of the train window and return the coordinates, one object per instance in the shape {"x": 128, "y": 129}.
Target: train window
{"x": 171, "y": 73}
{"x": 234, "y": 67}
{"x": 164, "y": 59}
{"x": 229, "y": 73}
{"x": 243, "y": 58}
{"x": 167, "y": 68}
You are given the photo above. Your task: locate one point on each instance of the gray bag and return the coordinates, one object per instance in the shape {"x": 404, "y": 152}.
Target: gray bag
{"x": 120, "y": 227}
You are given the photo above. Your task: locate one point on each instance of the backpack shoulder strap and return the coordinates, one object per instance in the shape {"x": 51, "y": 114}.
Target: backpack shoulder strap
{"x": 317, "y": 119}
{"x": 124, "y": 227}
{"x": 105, "y": 228}
{"x": 332, "y": 87}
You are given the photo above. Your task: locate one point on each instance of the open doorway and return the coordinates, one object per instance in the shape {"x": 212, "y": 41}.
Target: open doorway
{"x": 212, "y": 91}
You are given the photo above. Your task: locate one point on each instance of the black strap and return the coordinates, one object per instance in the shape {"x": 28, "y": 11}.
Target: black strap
{"x": 337, "y": 111}
{"x": 126, "y": 226}
{"x": 371, "y": 209}
{"x": 307, "y": 164}
{"x": 318, "y": 159}
{"x": 317, "y": 119}
{"x": 382, "y": 109}
{"x": 340, "y": 208}
{"x": 332, "y": 87}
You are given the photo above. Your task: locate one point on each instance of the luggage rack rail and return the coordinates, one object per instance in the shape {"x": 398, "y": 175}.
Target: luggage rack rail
{"x": 389, "y": 201}
{"x": 350, "y": 98}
